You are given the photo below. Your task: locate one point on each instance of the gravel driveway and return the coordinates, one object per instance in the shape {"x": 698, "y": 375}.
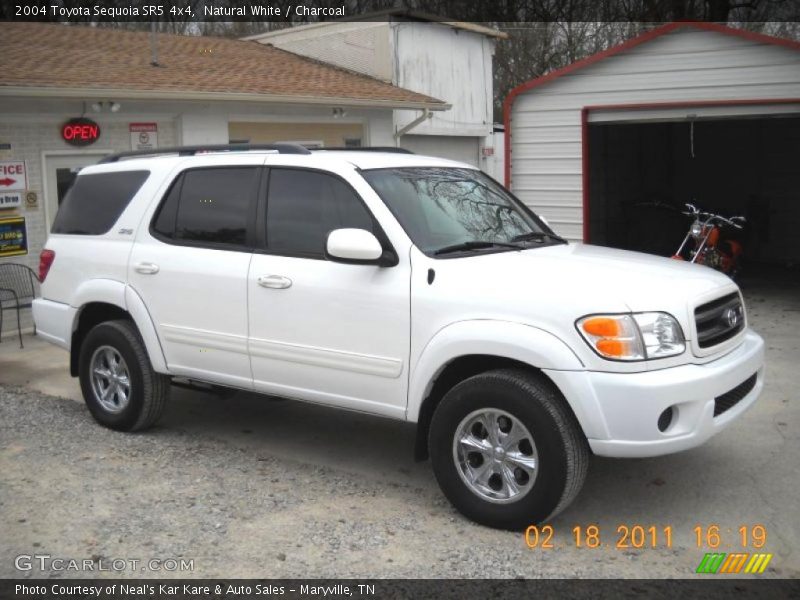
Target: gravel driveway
{"x": 252, "y": 487}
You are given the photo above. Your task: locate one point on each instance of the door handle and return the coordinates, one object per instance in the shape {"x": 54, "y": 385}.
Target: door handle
{"x": 147, "y": 268}
{"x": 275, "y": 282}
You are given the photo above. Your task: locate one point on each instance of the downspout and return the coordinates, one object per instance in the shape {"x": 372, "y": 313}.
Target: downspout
{"x": 153, "y": 45}
{"x": 426, "y": 114}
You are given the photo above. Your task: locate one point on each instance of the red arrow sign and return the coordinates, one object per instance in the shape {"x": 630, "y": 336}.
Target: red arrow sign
{"x": 7, "y": 181}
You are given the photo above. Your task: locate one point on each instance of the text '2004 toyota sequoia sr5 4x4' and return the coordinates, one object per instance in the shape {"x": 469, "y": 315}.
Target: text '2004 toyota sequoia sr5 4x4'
{"x": 405, "y": 286}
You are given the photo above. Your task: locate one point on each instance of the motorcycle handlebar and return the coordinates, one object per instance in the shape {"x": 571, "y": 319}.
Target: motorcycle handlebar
{"x": 693, "y": 211}
{"x": 733, "y": 221}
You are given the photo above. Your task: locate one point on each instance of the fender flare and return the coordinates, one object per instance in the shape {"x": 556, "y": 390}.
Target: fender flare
{"x": 116, "y": 293}
{"x": 107, "y": 291}
{"x": 524, "y": 343}
{"x": 138, "y": 311}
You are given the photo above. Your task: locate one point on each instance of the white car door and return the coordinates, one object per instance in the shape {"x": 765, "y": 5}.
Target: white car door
{"x": 320, "y": 330}
{"x": 190, "y": 267}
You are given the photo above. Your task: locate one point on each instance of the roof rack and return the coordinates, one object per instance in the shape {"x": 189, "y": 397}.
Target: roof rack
{"x": 281, "y": 148}
{"x": 392, "y": 149}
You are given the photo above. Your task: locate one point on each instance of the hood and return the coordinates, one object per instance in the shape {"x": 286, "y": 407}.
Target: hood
{"x": 569, "y": 281}
{"x": 640, "y": 281}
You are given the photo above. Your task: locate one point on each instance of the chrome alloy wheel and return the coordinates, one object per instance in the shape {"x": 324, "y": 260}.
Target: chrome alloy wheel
{"x": 111, "y": 382}
{"x": 495, "y": 455}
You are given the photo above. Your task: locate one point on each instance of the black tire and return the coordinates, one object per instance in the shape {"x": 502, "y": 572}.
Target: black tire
{"x": 148, "y": 390}
{"x": 561, "y": 448}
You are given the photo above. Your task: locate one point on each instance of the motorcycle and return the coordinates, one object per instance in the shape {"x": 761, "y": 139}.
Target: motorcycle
{"x": 704, "y": 243}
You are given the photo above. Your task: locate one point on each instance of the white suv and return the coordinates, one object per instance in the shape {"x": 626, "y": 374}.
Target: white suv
{"x": 405, "y": 286}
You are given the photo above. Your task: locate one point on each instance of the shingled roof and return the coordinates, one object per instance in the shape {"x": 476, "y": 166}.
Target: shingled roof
{"x": 69, "y": 61}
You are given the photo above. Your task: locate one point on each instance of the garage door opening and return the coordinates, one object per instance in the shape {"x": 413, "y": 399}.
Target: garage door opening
{"x": 642, "y": 174}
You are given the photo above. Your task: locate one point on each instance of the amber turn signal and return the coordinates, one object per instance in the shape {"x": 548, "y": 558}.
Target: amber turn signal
{"x": 602, "y": 327}
{"x": 610, "y": 347}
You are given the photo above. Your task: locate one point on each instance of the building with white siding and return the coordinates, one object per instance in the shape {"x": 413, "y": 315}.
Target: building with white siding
{"x": 450, "y": 60}
{"x": 70, "y": 95}
{"x": 608, "y": 148}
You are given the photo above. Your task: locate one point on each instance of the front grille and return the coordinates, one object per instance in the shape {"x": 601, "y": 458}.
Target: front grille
{"x": 719, "y": 320}
{"x": 730, "y": 399}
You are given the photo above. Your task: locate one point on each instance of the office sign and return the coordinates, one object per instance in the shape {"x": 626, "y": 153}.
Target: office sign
{"x": 13, "y": 175}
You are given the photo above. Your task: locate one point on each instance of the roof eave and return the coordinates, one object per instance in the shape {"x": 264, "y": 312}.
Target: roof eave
{"x": 383, "y": 16}
{"x": 83, "y": 92}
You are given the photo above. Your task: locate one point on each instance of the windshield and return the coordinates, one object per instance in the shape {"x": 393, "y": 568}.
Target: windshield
{"x": 451, "y": 210}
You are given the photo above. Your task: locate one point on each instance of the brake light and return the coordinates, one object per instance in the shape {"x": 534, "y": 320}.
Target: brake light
{"x": 46, "y": 259}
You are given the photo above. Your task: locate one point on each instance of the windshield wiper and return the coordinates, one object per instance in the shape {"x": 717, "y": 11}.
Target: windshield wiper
{"x": 537, "y": 235}
{"x": 475, "y": 245}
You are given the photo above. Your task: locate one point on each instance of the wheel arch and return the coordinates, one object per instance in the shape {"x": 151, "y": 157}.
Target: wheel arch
{"x": 111, "y": 302}
{"x": 468, "y": 348}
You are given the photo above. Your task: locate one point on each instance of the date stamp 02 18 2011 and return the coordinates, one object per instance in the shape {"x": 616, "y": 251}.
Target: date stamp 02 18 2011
{"x": 635, "y": 536}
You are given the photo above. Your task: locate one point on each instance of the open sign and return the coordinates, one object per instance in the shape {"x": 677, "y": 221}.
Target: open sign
{"x": 80, "y": 132}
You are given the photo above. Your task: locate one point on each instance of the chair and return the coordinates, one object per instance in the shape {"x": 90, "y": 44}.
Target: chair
{"x": 17, "y": 290}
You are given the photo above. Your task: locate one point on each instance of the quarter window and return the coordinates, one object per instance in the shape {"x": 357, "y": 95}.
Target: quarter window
{"x": 304, "y": 206}
{"x": 95, "y": 202}
{"x": 209, "y": 206}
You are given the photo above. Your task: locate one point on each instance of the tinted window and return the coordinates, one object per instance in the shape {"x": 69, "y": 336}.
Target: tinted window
{"x": 95, "y": 202}
{"x": 210, "y": 206}
{"x": 165, "y": 219}
{"x": 303, "y": 207}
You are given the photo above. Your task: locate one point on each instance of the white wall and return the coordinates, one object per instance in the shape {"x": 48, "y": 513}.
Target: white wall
{"x": 32, "y": 126}
{"x": 359, "y": 46}
{"x": 684, "y": 65}
{"x": 209, "y": 128}
{"x": 453, "y": 65}
{"x": 32, "y": 134}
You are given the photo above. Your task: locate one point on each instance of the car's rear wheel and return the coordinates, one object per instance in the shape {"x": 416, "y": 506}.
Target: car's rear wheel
{"x": 119, "y": 385}
{"x": 506, "y": 450}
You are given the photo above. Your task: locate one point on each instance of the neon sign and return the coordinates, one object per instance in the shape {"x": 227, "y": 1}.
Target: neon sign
{"x": 80, "y": 132}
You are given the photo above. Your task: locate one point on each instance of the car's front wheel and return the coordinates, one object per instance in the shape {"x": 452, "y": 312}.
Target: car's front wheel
{"x": 506, "y": 450}
{"x": 119, "y": 385}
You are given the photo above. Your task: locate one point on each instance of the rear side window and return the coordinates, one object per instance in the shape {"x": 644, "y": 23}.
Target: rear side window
{"x": 303, "y": 207}
{"x": 94, "y": 202}
{"x": 209, "y": 206}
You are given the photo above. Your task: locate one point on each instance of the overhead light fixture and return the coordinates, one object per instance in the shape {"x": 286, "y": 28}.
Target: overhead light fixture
{"x": 106, "y": 106}
{"x": 338, "y": 112}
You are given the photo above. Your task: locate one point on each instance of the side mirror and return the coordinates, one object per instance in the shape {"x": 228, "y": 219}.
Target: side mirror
{"x": 354, "y": 246}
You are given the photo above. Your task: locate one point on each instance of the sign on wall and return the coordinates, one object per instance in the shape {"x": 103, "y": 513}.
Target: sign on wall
{"x": 144, "y": 136}
{"x": 80, "y": 132}
{"x": 10, "y": 200}
{"x": 13, "y": 236}
{"x": 13, "y": 175}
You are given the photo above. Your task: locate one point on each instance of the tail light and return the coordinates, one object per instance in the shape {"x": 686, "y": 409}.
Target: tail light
{"x": 46, "y": 259}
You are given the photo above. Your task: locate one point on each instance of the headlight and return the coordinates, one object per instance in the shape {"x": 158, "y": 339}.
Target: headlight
{"x": 636, "y": 336}
{"x": 661, "y": 334}
{"x": 697, "y": 229}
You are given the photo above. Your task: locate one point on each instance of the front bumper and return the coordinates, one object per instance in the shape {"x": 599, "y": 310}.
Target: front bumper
{"x": 630, "y": 403}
